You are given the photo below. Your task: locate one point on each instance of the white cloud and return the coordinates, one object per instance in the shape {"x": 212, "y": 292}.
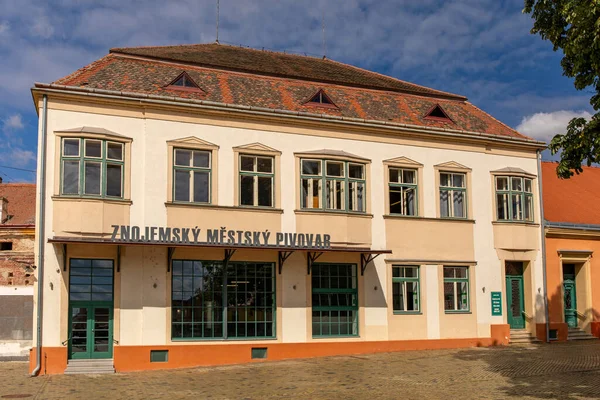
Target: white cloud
{"x": 4, "y": 27}
{"x": 13, "y": 122}
{"x": 18, "y": 158}
{"x": 544, "y": 126}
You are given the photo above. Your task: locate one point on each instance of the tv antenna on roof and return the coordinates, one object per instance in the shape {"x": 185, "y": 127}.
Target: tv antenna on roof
{"x": 324, "y": 43}
{"x": 217, "y": 21}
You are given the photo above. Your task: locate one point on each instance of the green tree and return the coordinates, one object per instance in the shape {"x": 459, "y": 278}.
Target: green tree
{"x": 574, "y": 27}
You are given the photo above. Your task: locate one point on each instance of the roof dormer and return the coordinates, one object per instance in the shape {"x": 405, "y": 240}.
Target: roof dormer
{"x": 184, "y": 82}
{"x": 320, "y": 99}
{"x": 437, "y": 113}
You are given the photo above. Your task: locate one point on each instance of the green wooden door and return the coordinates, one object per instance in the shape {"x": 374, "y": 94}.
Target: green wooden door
{"x": 90, "y": 330}
{"x": 570, "y": 300}
{"x": 515, "y": 300}
{"x": 90, "y": 308}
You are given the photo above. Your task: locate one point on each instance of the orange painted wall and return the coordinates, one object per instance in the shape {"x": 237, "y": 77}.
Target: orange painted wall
{"x": 562, "y": 331}
{"x": 54, "y": 360}
{"x": 137, "y": 358}
{"x": 596, "y": 329}
{"x": 500, "y": 334}
{"x": 554, "y": 274}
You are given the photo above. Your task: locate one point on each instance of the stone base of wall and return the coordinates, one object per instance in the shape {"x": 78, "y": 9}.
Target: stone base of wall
{"x": 137, "y": 358}
{"x": 54, "y": 360}
{"x": 500, "y": 334}
{"x": 562, "y": 331}
{"x": 595, "y": 325}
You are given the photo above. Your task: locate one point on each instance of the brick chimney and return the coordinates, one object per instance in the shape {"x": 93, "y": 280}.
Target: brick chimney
{"x": 3, "y": 210}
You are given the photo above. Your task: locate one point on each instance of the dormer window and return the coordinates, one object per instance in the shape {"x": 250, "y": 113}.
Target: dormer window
{"x": 437, "y": 113}
{"x": 321, "y": 99}
{"x": 184, "y": 82}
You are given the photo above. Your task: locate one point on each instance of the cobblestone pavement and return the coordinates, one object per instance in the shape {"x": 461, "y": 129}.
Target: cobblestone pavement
{"x": 563, "y": 371}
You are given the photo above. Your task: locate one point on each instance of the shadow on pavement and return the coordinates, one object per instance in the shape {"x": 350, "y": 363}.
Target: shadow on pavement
{"x": 568, "y": 371}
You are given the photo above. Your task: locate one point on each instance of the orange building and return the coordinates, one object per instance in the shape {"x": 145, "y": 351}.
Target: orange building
{"x": 572, "y": 247}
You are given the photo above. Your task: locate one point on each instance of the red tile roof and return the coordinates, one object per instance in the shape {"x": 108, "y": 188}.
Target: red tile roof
{"x": 270, "y": 63}
{"x": 21, "y": 203}
{"x": 247, "y": 77}
{"x": 573, "y": 200}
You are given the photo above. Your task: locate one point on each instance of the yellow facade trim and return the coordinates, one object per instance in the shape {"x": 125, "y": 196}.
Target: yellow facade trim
{"x": 193, "y": 142}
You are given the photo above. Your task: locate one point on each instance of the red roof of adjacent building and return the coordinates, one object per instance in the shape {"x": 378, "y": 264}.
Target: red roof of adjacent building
{"x": 21, "y": 203}
{"x": 254, "y": 78}
{"x": 573, "y": 200}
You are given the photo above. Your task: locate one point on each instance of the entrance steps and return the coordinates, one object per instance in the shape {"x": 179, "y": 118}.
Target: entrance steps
{"x": 522, "y": 336}
{"x": 104, "y": 366}
{"x": 579, "y": 334}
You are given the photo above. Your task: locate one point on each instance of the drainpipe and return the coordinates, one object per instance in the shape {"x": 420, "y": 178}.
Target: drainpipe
{"x": 41, "y": 230}
{"x": 543, "y": 224}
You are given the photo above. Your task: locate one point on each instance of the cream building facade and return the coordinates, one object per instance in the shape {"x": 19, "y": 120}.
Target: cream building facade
{"x": 419, "y": 223}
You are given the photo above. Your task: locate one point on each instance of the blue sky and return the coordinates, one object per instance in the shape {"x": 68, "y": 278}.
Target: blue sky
{"x": 478, "y": 48}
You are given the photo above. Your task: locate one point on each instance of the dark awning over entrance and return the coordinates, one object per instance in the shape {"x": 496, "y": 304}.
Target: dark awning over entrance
{"x": 366, "y": 254}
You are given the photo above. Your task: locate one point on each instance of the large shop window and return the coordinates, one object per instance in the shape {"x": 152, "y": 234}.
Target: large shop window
{"x": 405, "y": 289}
{"x": 256, "y": 181}
{"x": 211, "y": 302}
{"x": 453, "y": 197}
{"x": 92, "y": 167}
{"x": 403, "y": 191}
{"x": 514, "y": 198}
{"x": 334, "y": 300}
{"x": 456, "y": 289}
{"x": 191, "y": 176}
{"x": 333, "y": 185}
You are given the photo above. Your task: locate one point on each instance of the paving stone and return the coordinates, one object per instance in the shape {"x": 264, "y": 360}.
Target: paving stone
{"x": 561, "y": 371}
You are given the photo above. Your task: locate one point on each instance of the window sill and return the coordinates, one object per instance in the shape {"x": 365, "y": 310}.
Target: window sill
{"x": 92, "y": 199}
{"x": 220, "y": 340}
{"x": 216, "y": 207}
{"x": 459, "y": 220}
{"x": 408, "y": 313}
{"x": 455, "y": 219}
{"x": 519, "y": 223}
{"x": 457, "y": 312}
{"x": 328, "y": 212}
{"x": 335, "y": 337}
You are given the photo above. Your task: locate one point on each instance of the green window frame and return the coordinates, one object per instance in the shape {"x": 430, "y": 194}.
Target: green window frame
{"x": 214, "y": 301}
{"x": 92, "y": 168}
{"x": 334, "y": 300}
{"x": 453, "y": 195}
{"x": 514, "y": 198}
{"x": 406, "y": 289}
{"x": 91, "y": 280}
{"x": 257, "y": 178}
{"x": 403, "y": 191}
{"x": 192, "y": 175}
{"x": 333, "y": 185}
{"x": 456, "y": 289}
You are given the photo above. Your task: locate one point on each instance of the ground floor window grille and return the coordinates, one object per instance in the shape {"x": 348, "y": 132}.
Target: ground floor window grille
{"x": 209, "y": 301}
{"x": 334, "y": 300}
